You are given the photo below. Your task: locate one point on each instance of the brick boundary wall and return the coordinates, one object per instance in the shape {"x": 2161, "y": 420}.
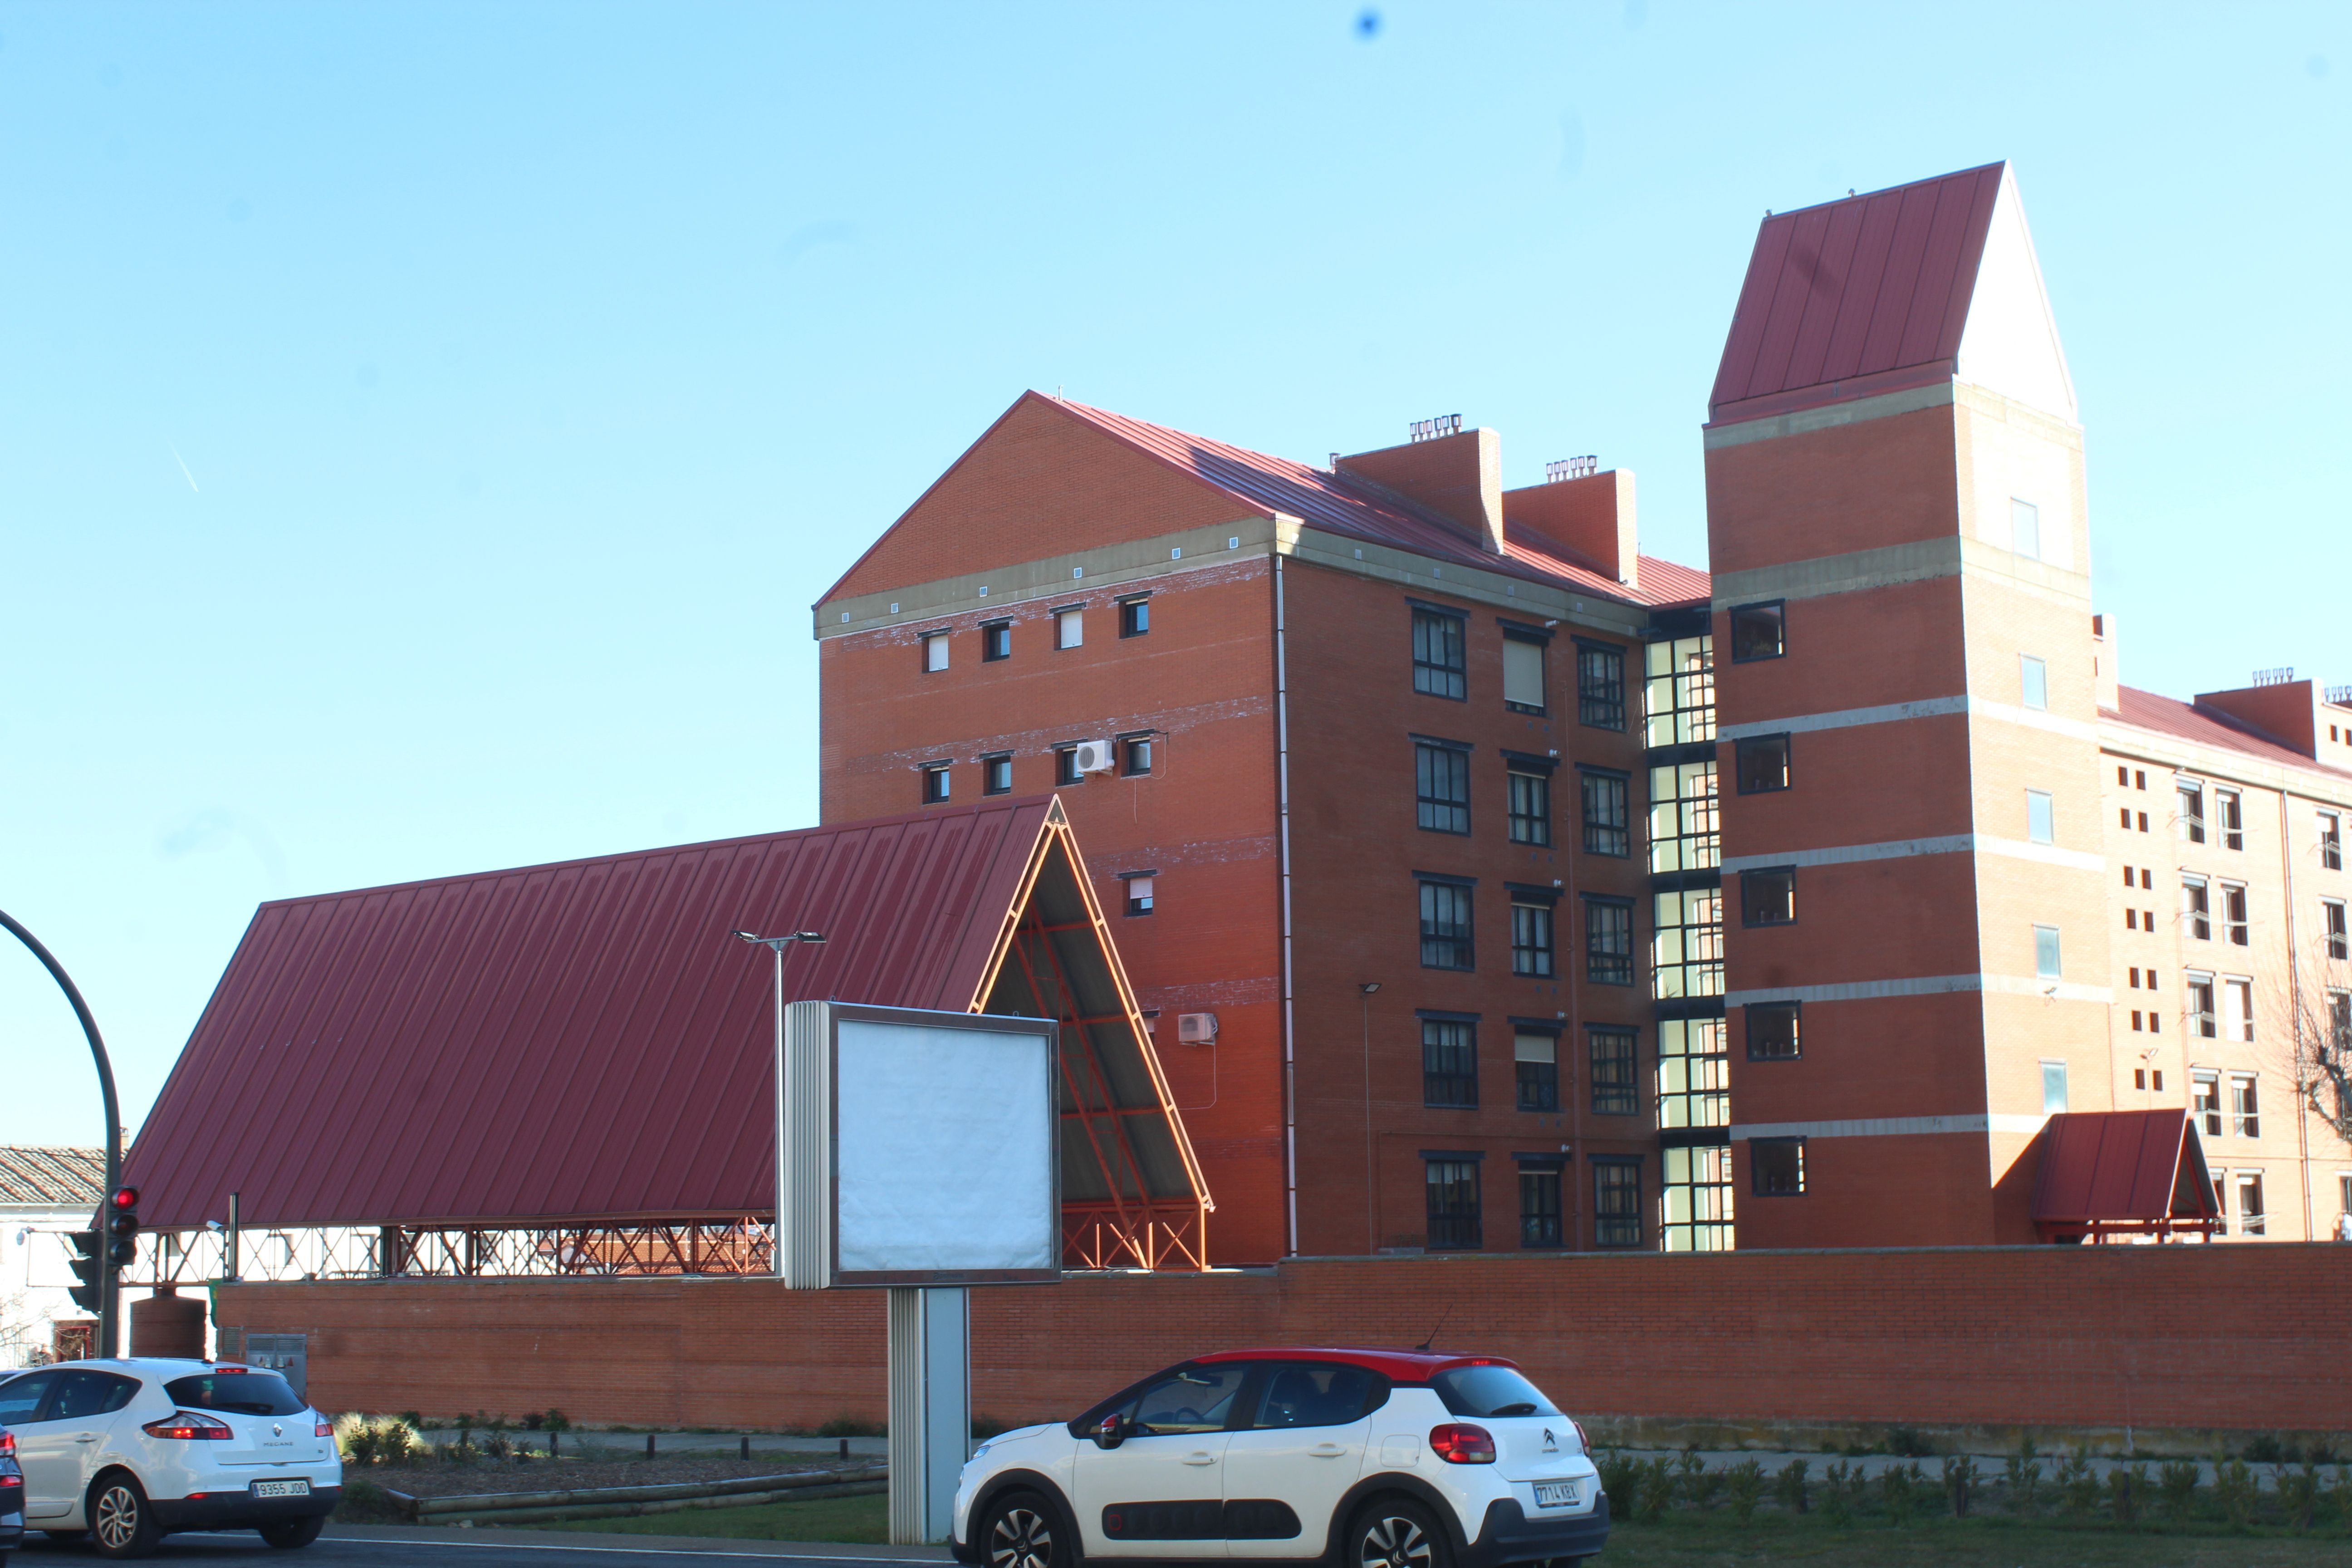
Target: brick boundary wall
{"x": 2233, "y": 1337}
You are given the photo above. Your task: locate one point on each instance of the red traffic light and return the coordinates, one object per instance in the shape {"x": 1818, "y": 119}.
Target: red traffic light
{"x": 125, "y": 1198}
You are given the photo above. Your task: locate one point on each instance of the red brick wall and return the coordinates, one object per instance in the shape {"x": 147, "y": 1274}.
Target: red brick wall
{"x": 2096, "y": 1336}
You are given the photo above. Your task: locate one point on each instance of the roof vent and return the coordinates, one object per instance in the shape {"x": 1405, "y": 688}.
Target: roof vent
{"x": 1431, "y": 429}
{"x": 2340, "y": 696}
{"x": 2278, "y": 677}
{"x": 1571, "y": 468}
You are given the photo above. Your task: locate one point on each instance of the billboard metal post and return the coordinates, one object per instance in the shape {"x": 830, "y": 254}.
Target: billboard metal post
{"x": 930, "y": 1408}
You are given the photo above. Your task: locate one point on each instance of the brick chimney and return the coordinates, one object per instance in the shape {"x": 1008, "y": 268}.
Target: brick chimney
{"x": 2286, "y": 710}
{"x": 1457, "y": 480}
{"x": 1590, "y": 518}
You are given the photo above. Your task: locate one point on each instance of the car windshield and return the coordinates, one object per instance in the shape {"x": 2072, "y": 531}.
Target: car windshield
{"x": 239, "y": 1393}
{"x": 1490, "y": 1391}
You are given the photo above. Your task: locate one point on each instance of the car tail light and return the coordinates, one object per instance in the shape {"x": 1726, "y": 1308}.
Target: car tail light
{"x": 188, "y": 1424}
{"x": 7, "y": 1444}
{"x": 1459, "y": 1443}
{"x": 1582, "y": 1441}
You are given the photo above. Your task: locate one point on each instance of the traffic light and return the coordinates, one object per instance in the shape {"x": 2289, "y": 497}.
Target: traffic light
{"x": 85, "y": 1269}
{"x": 122, "y": 1226}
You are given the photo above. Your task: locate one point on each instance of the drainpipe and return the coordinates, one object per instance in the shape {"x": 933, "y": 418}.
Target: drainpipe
{"x": 2295, "y": 1011}
{"x": 1282, "y": 799}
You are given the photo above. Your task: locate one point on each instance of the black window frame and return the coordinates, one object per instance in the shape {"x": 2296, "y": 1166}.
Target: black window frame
{"x": 1543, "y": 1221}
{"x": 1780, "y": 609}
{"x": 1127, "y": 899}
{"x": 1432, "y": 892}
{"x": 1535, "y": 939}
{"x": 1135, "y": 616}
{"x": 1619, "y": 967}
{"x": 1792, "y": 1009}
{"x": 1759, "y": 877}
{"x": 990, "y": 766}
{"x": 1538, "y": 1091}
{"x": 1595, "y": 828}
{"x": 1432, "y": 757}
{"x": 1449, "y": 1060}
{"x": 995, "y": 641}
{"x": 1541, "y": 642}
{"x": 1463, "y": 1224}
{"x": 1430, "y": 673}
{"x": 1129, "y": 745}
{"x": 1617, "y": 1208}
{"x": 1532, "y": 829}
{"x": 1065, "y": 767}
{"x": 1748, "y": 746}
{"x": 1623, "y": 1091}
{"x": 1756, "y": 1172}
{"x": 1600, "y": 698}
{"x": 939, "y": 783}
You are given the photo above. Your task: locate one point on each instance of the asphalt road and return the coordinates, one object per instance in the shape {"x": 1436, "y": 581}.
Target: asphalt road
{"x": 355, "y": 1547}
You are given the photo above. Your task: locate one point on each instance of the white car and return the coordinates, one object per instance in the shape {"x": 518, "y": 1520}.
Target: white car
{"x": 128, "y": 1451}
{"x": 1361, "y": 1458}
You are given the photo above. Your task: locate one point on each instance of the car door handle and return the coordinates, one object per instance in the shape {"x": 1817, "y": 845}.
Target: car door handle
{"x": 85, "y": 1437}
{"x": 1200, "y": 1457}
{"x": 1328, "y": 1450}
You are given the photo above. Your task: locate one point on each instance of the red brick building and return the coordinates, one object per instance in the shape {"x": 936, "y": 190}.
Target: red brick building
{"x": 1410, "y": 784}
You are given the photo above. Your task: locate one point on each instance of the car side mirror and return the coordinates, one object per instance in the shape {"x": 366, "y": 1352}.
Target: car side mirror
{"x": 1111, "y": 1432}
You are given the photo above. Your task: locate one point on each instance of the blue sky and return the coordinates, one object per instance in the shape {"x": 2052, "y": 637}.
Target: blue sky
{"x": 424, "y": 428}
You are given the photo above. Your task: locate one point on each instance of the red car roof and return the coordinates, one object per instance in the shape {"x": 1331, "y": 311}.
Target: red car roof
{"x": 1401, "y": 1366}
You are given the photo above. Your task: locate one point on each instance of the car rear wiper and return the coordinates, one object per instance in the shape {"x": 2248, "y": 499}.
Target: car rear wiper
{"x": 1522, "y": 1408}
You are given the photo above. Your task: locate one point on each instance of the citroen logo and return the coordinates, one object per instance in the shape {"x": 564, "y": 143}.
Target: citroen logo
{"x": 1551, "y": 1444}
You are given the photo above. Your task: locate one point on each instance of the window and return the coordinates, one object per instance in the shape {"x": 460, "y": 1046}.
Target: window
{"x": 2039, "y": 825}
{"x": 1197, "y": 1399}
{"x": 2196, "y": 913}
{"x": 1758, "y": 631}
{"x": 1695, "y": 1198}
{"x": 1607, "y": 941}
{"x": 2339, "y": 1020}
{"x": 1684, "y": 827}
{"x": 1678, "y": 691}
{"x": 1532, "y": 953}
{"x": 1773, "y": 1032}
{"x": 2249, "y": 1202}
{"x": 1140, "y": 894}
{"x": 996, "y": 775}
{"x": 1763, "y": 763}
{"x": 2245, "y": 1114}
{"x": 2332, "y": 914}
{"x": 1449, "y": 1061}
{"x": 1317, "y": 1393}
{"x": 2331, "y": 841}
{"x": 1616, "y": 1203}
{"x": 2025, "y": 528}
{"x": 1445, "y": 926}
{"x": 20, "y": 1397}
{"x": 935, "y": 652}
{"x": 2197, "y": 992}
{"x": 1608, "y": 822}
{"x": 1539, "y": 1204}
{"x": 2045, "y": 953}
{"x": 2205, "y": 1100}
{"x": 2054, "y": 1089}
{"x": 1454, "y": 1203}
{"x": 1599, "y": 686}
{"x": 2237, "y": 1010}
{"x": 1438, "y": 667}
{"x": 1442, "y": 779}
{"x": 2192, "y": 813}
{"x": 935, "y": 783}
{"x": 2230, "y": 809}
{"x": 1686, "y": 942}
{"x": 1069, "y": 628}
{"x": 1614, "y": 1092}
{"x": 1769, "y": 898}
{"x": 1531, "y": 806}
{"x": 1694, "y": 1073}
{"x": 1066, "y": 766}
{"x": 2032, "y": 681}
{"x": 1135, "y": 755}
{"x": 1523, "y": 672}
{"x": 995, "y": 641}
{"x": 1134, "y": 618}
{"x": 1777, "y": 1166}
{"x": 1535, "y": 1058}
{"x": 2233, "y": 913}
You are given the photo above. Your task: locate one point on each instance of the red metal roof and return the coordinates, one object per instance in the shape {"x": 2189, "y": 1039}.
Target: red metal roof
{"x": 1864, "y": 295}
{"x": 2185, "y": 721}
{"x": 1402, "y": 1366}
{"x": 568, "y": 1041}
{"x": 2113, "y": 1167}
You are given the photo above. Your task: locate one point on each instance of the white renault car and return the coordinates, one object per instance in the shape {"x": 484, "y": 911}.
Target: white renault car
{"x": 1360, "y": 1459}
{"x": 128, "y": 1451}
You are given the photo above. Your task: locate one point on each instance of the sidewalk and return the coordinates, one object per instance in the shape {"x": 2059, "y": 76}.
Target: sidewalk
{"x": 632, "y": 1444}
{"x": 592, "y": 1541}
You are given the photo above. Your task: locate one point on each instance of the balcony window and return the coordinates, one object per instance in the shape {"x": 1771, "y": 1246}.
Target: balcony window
{"x": 1449, "y": 1062}
{"x": 1453, "y": 1189}
{"x": 1440, "y": 667}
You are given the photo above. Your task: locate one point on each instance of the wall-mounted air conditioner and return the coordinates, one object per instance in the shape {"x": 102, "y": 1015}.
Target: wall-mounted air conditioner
{"x": 1094, "y": 756}
{"x": 1196, "y": 1028}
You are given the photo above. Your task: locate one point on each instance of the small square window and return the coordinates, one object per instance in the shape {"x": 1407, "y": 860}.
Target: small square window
{"x": 935, "y": 783}
{"x": 997, "y": 641}
{"x": 2032, "y": 681}
{"x": 1135, "y": 756}
{"x": 996, "y": 776}
{"x": 1066, "y": 766}
{"x": 1139, "y": 895}
{"x": 1772, "y": 1032}
{"x": 1763, "y": 762}
{"x": 1777, "y": 1166}
{"x": 2045, "y": 953}
{"x": 2040, "y": 823}
{"x": 1758, "y": 631}
{"x": 1769, "y": 898}
{"x": 935, "y": 652}
{"x": 2054, "y": 1089}
{"x": 1069, "y": 628}
{"x": 1134, "y": 618}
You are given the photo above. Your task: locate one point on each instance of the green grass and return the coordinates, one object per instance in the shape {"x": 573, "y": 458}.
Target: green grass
{"x": 864, "y": 1520}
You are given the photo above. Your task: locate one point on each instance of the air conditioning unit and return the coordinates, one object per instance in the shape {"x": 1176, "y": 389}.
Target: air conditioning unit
{"x": 1095, "y": 756}
{"x": 1196, "y": 1028}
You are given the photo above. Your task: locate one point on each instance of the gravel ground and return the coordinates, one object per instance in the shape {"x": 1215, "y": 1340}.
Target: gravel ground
{"x": 543, "y": 1475}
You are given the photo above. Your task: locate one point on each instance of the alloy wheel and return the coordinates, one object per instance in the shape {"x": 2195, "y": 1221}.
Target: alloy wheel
{"x": 116, "y": 1518}
{"x": 1394, "y": 1541}
{"x": 1022, "y": 1539}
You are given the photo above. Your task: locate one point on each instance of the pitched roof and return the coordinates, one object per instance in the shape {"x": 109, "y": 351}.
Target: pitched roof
{"x": 2117, "y": 1167}
{"x": 52, "y": 1177}
{"x": 2186, "y": 722}
{"x": 1329, "y": 502}
{"x": 585, "y": 1040}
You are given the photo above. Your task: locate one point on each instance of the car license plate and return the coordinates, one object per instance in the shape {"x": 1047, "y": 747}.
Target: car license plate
{"x": 297, "y": 1486}
{"x": 1556, "y": 1494}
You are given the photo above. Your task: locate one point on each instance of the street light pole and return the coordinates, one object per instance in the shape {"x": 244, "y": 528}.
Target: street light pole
{"x": 776, "y": 945}
{"x": 109, "y": 1293}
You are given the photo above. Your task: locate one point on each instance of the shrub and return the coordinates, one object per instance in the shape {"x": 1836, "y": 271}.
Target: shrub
{"x": 2323, "y": 1454}
{"x": 987, "y": 1427}
{"x": 394, "y": 1444}
{"x": 1744, "y": 1483}
{"x": 2177, "y": 1479}
{"x": 1698, "y": 1483}
{"x": 1789, "y": 1486}
{"x": 415, "y": 1422}
{"x": 1895, "y": 1487}
{"x": 2340, "y": 1493}
{"x": 2298, "y": 1491}
{"x": 498, "y": 1446}
{"x": 1839, "y": 1481}
{"x": 2126, "y": 1491}
{"x": 2078, "y": 1483}
{"x": 1621, "y": 1481}
{"x": 1960, "y": 1482}
{"x": 2264, "y": 1448}
{"x": 1908, "y": 1443}
{"x": 1657, "y": 1488}
{"x": 362, "y": 1448}
{"x": 850, "y": 1426}
{"x": 2023, "y": 1473}
{"x": 364, "y": 1502}
{"x": 556, "y": 1421}
{"x": 2234, "y": 1484}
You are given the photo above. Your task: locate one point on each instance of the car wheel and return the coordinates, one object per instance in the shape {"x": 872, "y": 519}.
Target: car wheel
{"x": 1396, "y": 1532}
{"x": 289, "y": 1533}
{"x": 120, "y": 1522}
{"x": 1018, "y": 1530}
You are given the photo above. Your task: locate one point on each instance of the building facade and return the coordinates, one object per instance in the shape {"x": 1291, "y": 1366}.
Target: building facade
{"x": 1495, "y": 886}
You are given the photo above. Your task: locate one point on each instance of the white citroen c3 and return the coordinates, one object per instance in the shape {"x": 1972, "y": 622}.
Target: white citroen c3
{"x": 1360, "y": 1459}
{"x": 128, "y": 1451}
